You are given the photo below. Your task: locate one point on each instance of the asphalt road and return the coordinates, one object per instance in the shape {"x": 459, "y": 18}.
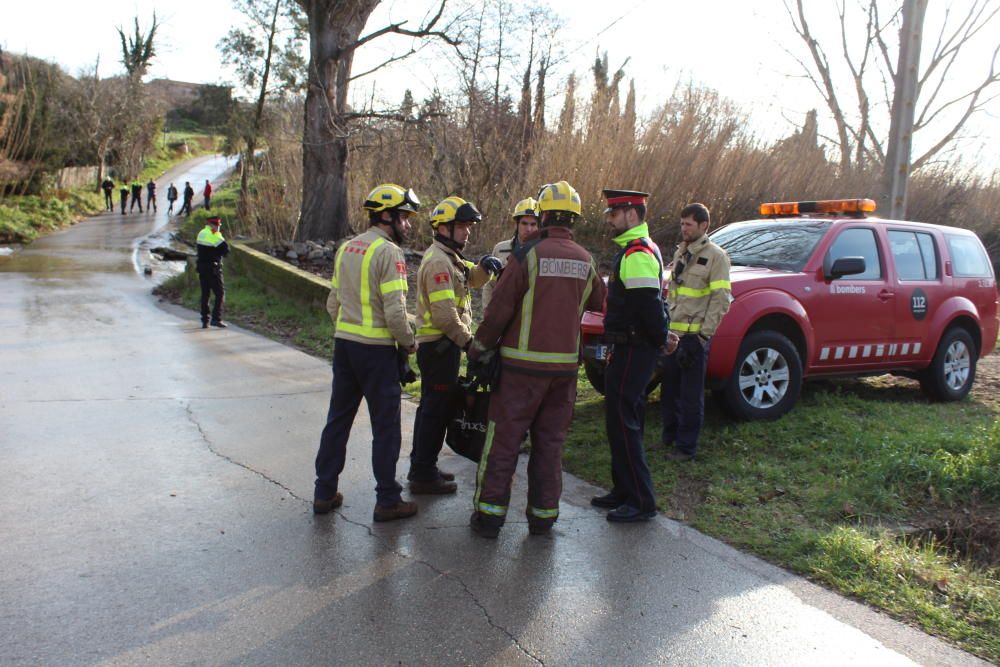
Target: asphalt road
{"x": 154, "y": 509}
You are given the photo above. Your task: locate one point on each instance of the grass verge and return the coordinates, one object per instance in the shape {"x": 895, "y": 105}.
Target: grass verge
{"x": 865, "y": 487}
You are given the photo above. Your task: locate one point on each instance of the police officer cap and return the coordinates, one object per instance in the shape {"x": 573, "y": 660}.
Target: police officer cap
{"x": 623, "y": 199}
{"x": 214, "y": 220}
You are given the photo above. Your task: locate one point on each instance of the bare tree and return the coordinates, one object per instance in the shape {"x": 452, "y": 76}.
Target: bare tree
{"x": 867, "y": 48}
{"x": 334, "y": 35}
{"x": 263, "y": 63}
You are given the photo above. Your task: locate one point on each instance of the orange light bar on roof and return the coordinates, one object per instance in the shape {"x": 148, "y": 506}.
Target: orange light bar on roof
{"x": 824, "y": 206}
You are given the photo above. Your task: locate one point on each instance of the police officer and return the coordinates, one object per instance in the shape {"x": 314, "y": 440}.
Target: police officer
{"x": 211, "y": 249}
{"x": 123, "y": 196}
{"x": 136, "y": 196}
{"x": 699, "y": 295}
{"x": 636, "y": 326}
{"x": 444, "y": 316}
{"x": 525, "y": 217}
{"x": 367, "y": 303}
{"x": 535, "y": 319}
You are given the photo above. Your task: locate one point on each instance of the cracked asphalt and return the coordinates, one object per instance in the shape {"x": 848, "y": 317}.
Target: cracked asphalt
{"x": 155, "y": 509}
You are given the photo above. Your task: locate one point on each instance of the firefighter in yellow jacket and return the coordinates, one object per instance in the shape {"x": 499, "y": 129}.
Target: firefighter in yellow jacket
{"x": 444, "y": 320}
{"x": 698, "y": 296}
{"x": 525, "y": 218}
{"x": 367, "y": 303}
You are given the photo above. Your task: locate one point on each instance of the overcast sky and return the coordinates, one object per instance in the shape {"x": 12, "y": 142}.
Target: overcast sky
{"x": 737, "y": 47}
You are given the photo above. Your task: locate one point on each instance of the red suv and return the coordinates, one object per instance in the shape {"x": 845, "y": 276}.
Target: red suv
{"x": 821, "y": 289}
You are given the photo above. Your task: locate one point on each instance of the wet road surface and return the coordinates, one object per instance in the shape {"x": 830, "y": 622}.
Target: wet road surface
{"x": 154, "y": 509}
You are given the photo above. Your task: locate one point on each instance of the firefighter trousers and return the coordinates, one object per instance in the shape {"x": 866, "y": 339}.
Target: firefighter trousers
{"x": 682, "y": 395}
{"x": 625, "y": 382}
{"x": 543, "y": 406}
{"x": 438, "y": 362}
{"x": 372, "y": 372}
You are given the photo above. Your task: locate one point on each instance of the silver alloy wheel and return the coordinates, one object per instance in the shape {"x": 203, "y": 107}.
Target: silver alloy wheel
{"x": 764, "y": 377}
{"x": 957, "y": 362}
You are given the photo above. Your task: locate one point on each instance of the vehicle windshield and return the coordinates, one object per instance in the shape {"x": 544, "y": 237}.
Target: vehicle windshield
{"x": 775, "y": 244}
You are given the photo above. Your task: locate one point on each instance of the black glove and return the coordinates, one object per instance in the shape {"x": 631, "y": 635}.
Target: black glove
{"x": 485, "y": 370}
{"x": 406, "y": 372}
{"x": 491, "y": 264}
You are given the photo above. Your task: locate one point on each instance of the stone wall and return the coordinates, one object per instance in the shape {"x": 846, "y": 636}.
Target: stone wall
{"x": 278, "y": 277}
{"x": 76, "y": 177}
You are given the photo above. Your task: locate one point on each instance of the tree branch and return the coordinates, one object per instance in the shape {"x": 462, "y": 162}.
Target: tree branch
{"x": 384, "y": 64}
{"x": 397, "y": 28}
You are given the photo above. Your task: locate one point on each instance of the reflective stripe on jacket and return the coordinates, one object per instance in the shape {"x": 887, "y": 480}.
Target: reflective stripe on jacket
{"x": 635, "y": 293}
{"x": 444, "y": 303}
{"x": 367, "y": 299}
{"x": 537, "y": 305}
{"x": 699, "y": 290}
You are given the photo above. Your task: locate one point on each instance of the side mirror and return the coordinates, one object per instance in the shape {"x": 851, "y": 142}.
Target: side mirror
{"x": 846, "y": 266}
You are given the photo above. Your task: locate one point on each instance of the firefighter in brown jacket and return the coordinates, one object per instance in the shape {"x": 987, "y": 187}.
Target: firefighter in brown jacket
{"x": 534, "y": 318}
{"x": 444, "y": 321}
{"x": 367, "y": 303}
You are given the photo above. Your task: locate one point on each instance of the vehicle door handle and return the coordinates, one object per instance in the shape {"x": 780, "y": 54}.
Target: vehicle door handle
{"x": 885, "y": 294}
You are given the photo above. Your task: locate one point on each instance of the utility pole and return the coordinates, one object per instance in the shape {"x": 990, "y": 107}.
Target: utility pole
{"x": 897, "y": 157}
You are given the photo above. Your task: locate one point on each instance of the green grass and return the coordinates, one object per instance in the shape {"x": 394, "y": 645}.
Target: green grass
{"x": 828, "y": 491}
{"x": 25, "y": 218}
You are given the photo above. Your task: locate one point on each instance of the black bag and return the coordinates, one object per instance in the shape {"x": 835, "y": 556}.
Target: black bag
{"x": 466, "y": 433}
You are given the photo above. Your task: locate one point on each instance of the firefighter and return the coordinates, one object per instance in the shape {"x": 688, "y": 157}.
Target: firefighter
{"x": 525, "y": 217}
{"x": 211, "y": 249}
{"x": 123, "y": 196}
{"x": 444, "y": 317}
{"x": 534, "y": 319}
{"x": 636, "y": 326}
{"x": 698, "y": 296}
{"x": 367, "y": 303}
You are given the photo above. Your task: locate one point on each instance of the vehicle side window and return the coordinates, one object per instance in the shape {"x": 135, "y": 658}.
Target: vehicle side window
{"x": 913, "y": 254}
{"x": 968, "y": 257}
{"x": 857, "y": 242}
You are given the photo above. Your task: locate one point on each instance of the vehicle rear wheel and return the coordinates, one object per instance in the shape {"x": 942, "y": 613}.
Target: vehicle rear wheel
{"x": 766, "y": 378}
{"x": 953, "y": 368}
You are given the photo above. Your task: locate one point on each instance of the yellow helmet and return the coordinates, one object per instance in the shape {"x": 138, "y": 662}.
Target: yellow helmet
{"x": 559, "y": 197}
{"x": 388, "y": 197}
{"x": 525, "y": 207}
{"x": 455, "y": 209}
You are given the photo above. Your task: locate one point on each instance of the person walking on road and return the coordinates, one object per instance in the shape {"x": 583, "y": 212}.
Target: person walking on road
{"x": 367, "y": 304}
{"x": 444, "y": 317}
{"x": 188, "y": 198}
{"x": 699, "y": 295}
{"x": 636, "y": 326}
{"x": 109, "y": 187}
{"x": 212, "y": 247}
{"x": 171, "y": 198}
{"x": 534, "y": 319}
{"x": 136, "y": 196}
{"x": 207, "y": 193}
{"x": 123, "y": 196}
{"x": 151, "y": 195}
{"x": 525, "y": 217}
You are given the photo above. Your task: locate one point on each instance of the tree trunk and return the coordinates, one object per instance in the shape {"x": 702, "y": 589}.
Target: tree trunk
{"x": 334, "y": 27}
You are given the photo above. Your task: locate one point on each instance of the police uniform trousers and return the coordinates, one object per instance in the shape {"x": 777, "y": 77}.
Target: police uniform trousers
{"x": 682, "y": 395}
{"x": 625, "y": 381}
{"x": 372, "y": 372}
{"x": 210, "y": 278}
{"x": 438, "y": 362}
{"x": 543, "y": 406}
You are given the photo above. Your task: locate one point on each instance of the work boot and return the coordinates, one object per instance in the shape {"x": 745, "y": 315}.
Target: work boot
{"x": 434, "y": 487}
{"x": 539, "y": 526}
{"x": 608, "y": 501}
{"x": 321, "y": 506}
{"x": 446, "y": 476}
{"x": 204, "y": 324}
{"x": 484, "y": 527}
{"x": 677, "y": 456}
{"x": 627, "y": 514}
{"x": 401, "y": 510}
{"x": 219, "y": 323}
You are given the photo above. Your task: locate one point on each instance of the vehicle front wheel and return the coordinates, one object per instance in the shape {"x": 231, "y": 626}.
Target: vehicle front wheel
{"x": 595, "y": 373}
{"x": 953, "y": 369}
{"x": 766, "y": 378}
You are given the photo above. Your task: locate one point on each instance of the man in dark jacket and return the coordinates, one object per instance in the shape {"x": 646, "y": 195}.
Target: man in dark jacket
{"x": 188, "y": 197}
{"x": 171, "y": 198}
{"x": 109, "y": 187}
{"x": 211, "y": 249}
{"x": 534, "y": 318}
{"x": 151, "y": 195}
{"x": 136, "y": 196}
